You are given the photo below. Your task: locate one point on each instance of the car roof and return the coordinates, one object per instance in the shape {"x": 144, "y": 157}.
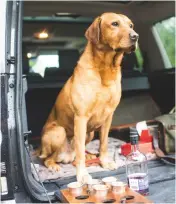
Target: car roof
{"x": 68, "y": 31}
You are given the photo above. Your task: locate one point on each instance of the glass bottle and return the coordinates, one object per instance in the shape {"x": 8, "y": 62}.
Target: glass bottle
{"x": 136, "y": 166}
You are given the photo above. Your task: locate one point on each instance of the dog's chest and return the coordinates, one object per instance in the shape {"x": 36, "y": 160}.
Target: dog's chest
{"x": 108, "y": 96}
{"x": 107, "y": 99}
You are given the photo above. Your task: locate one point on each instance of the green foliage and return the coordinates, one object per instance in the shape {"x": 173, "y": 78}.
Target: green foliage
{"x": 140, "y": 59}
{"x": 166, "y": 31}
{"x": 32, "y": 62}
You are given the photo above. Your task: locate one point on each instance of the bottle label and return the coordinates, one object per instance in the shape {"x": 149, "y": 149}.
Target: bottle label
{"x": 138, "y": 181}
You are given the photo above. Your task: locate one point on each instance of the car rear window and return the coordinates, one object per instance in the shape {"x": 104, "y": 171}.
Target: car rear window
{"x": 166, "y": 32}
{"x": 38, "y": 63}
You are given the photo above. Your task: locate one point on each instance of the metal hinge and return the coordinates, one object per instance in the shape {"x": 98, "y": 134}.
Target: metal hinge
{"x": 26, "y": 134}
{"x": 11, "y": 60}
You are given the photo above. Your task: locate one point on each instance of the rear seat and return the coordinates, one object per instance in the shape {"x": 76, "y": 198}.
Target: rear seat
{"x": 42, "y": 92}
{"x": 51, "y": 71}
{"x": 41, "y": 96}
{"x": 68, "y": 59}
{"x": 163, "y": 80}
{"x": 67, "y": 62}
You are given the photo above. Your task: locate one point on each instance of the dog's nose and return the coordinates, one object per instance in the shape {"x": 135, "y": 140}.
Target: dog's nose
{"x": 134, "y": 36}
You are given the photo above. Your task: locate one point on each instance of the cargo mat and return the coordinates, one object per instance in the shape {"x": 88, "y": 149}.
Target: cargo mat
{"x": 68, "y": 170}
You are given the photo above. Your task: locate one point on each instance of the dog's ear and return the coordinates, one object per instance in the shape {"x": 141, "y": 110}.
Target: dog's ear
{"x": 93, "y": 32}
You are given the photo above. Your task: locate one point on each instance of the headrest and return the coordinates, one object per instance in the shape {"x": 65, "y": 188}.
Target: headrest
{"x": 51, "y": 71}
{"x": 32, "y": 77}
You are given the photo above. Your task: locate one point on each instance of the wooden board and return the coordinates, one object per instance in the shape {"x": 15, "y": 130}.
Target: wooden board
{"x": 67, "y": 197}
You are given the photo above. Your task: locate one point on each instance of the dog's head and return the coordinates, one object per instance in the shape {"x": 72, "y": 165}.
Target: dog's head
{"x": 113, "y": 30}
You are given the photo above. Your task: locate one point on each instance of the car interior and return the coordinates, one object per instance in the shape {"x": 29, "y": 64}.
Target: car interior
{"x": 54, "y": 39}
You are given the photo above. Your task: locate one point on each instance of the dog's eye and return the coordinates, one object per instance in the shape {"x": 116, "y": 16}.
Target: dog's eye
{"x": 131, "y": 25}
{"x": 115, "y": 24}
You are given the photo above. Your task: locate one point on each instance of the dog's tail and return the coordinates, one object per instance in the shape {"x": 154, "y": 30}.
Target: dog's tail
{"x": 43, "y": 151}
{"x": 41, "y": 154}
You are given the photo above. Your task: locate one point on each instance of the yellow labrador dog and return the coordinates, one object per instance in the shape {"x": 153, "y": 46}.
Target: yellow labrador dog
{"x": 90, "y": 96}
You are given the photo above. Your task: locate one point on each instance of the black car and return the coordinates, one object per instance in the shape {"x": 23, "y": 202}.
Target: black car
{"x": 41, "y": 42}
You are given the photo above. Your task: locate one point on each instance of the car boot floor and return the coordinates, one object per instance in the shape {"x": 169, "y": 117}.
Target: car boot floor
{"x": 161, "y": 181}
{"x": 69, "y": 170}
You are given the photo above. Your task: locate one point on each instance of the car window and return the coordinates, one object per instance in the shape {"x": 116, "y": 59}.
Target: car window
{"x": 166, "y": 32}
{"x": 133, "y": 62}
{"x": 140, "y": 60}
{"x": 44, "y": 59}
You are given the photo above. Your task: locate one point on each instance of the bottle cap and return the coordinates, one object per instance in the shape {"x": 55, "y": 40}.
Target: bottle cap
{"x": 133, "y": 135}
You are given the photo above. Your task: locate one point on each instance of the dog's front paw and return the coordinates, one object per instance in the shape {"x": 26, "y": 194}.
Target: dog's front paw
{"x": 83, "y": 176}
{"x": 111, "y": 165}
{"x": 52, "y": 165}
